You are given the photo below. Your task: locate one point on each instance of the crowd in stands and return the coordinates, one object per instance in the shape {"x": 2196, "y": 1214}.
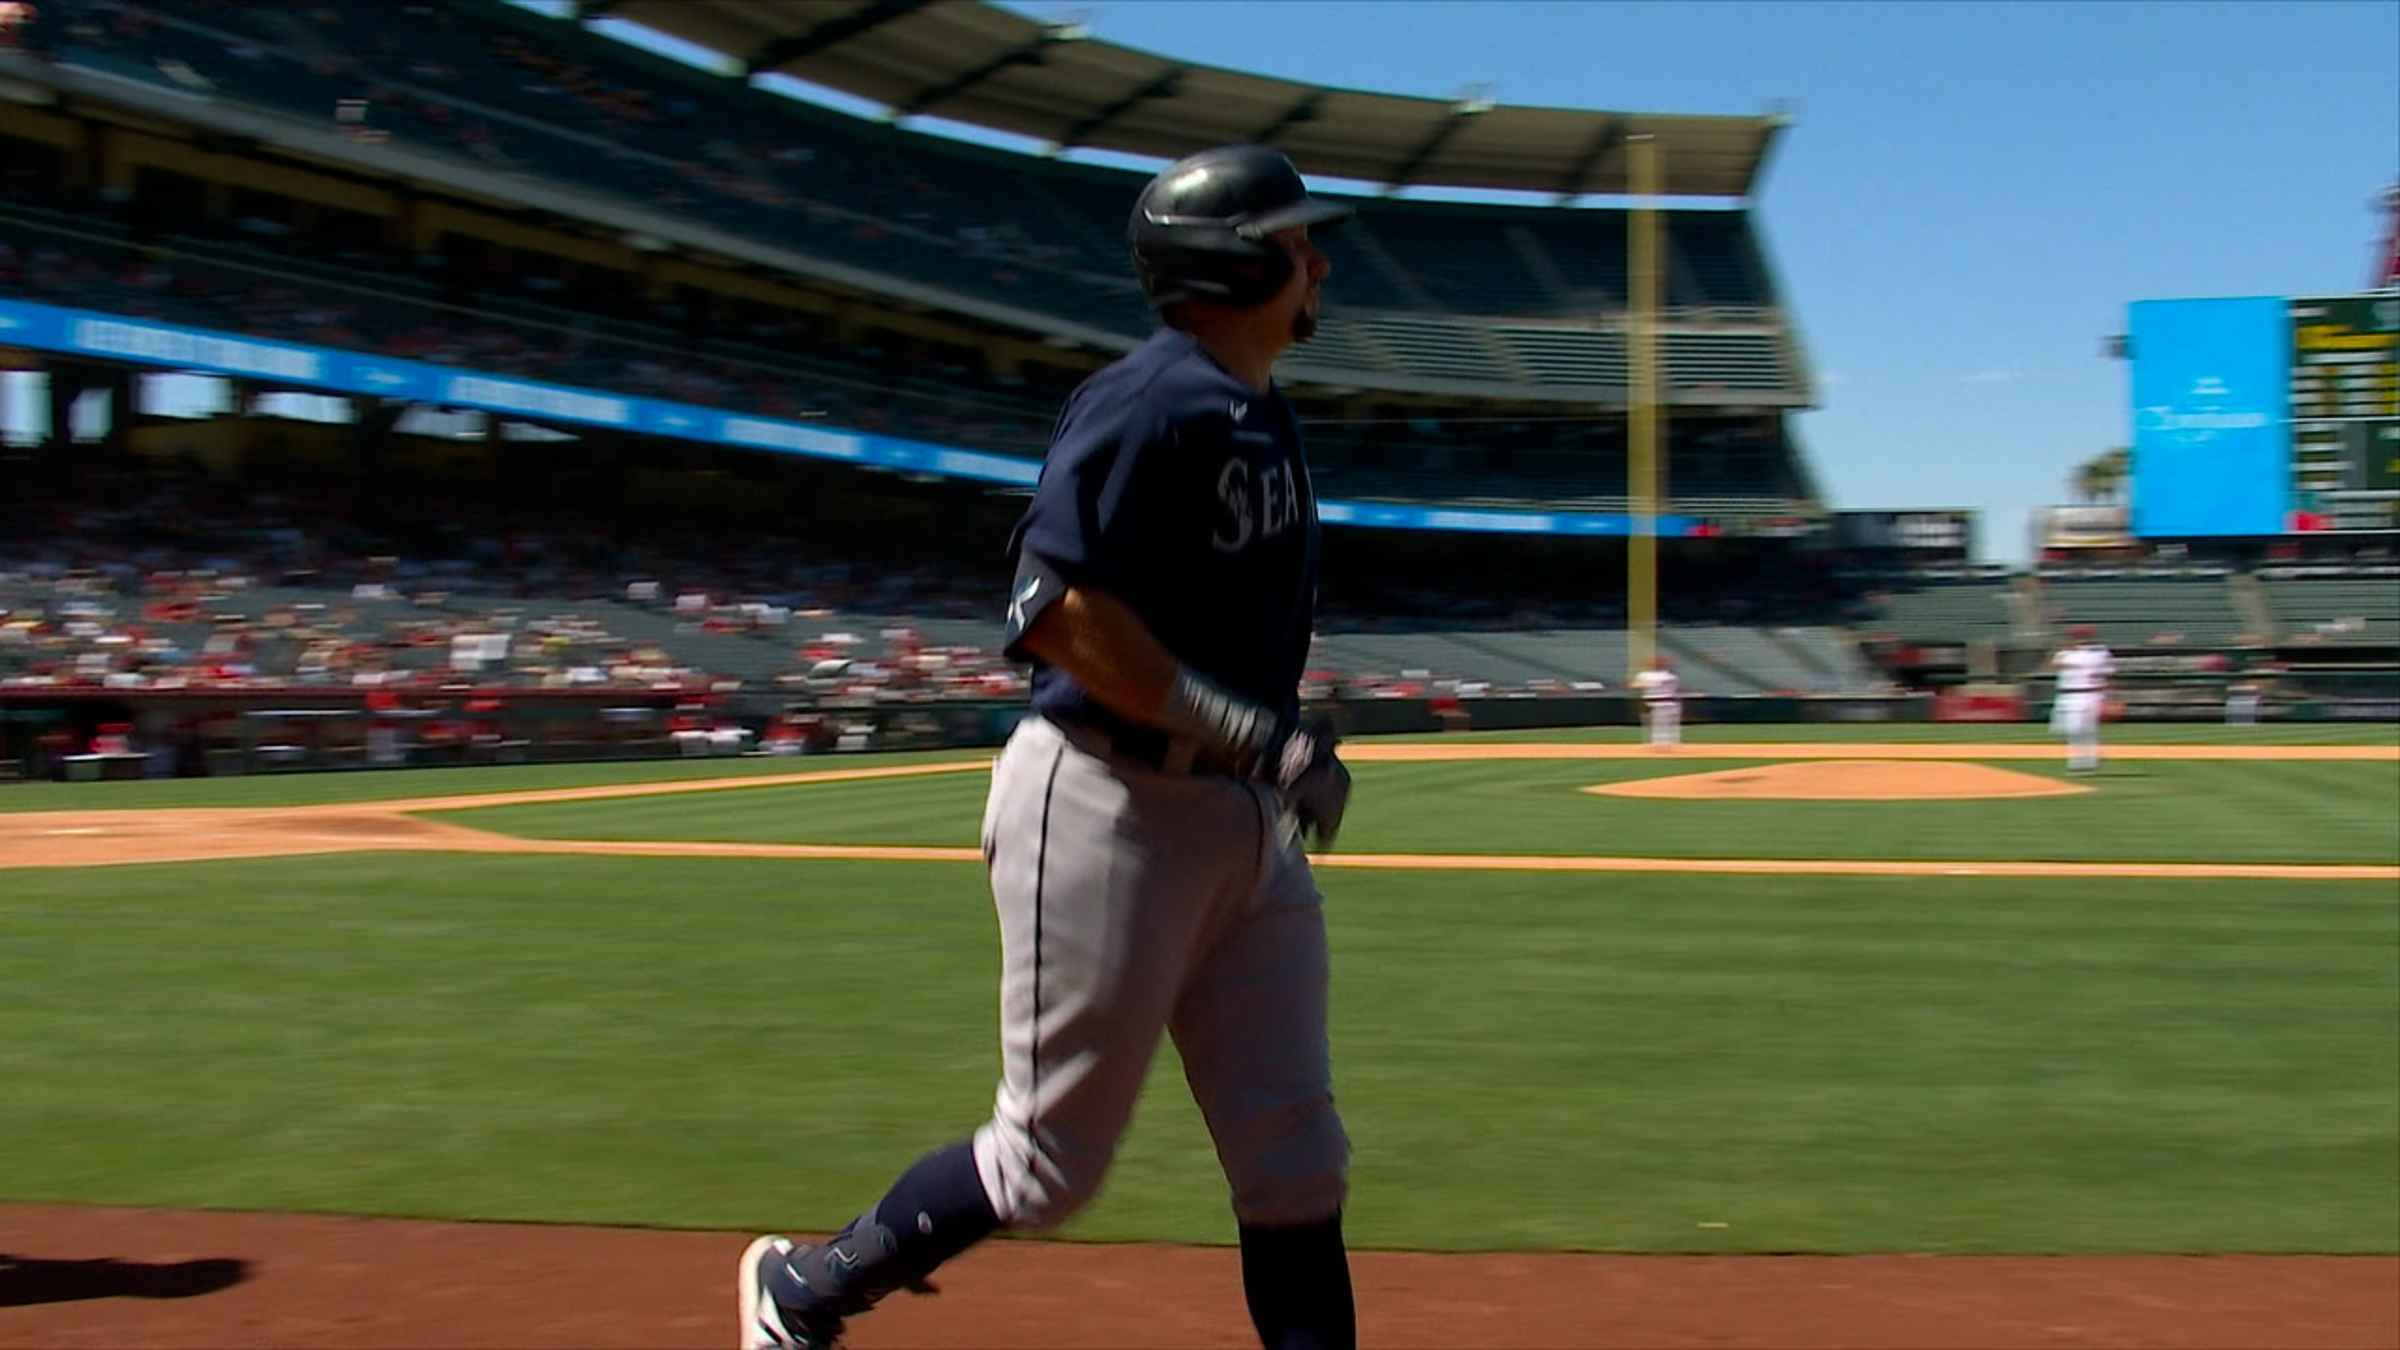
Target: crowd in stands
{"x": 168, "y": 588}
{"x": 152, "y": 580}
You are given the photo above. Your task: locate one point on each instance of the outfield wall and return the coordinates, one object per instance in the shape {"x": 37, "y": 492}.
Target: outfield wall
{"x": 76, "y": 734}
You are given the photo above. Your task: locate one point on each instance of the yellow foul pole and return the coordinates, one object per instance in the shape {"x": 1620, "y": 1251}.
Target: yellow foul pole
{"x": 1642, "y": 442}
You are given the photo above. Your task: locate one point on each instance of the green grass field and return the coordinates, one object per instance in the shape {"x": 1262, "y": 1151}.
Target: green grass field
{"x": 2152, "y": 811}
{"x": 1524, "y": 1060}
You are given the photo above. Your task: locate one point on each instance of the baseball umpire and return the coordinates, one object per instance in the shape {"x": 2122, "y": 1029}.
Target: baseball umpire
{"x": 1143, "y": 831}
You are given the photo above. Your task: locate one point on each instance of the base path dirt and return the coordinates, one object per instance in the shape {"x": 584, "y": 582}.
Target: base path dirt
{"x": 74, "y": 1276}
{"x": 1845, "y": 780}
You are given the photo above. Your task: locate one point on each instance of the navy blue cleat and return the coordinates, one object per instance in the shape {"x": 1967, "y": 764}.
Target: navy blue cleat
{"x": 766, "y": 1323}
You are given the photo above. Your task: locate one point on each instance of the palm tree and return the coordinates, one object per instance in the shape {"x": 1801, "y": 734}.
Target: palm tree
{"x": 2103, "y": 477}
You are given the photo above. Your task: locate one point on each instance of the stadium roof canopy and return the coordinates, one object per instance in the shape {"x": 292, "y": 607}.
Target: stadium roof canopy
{"x": 990, "y": 67}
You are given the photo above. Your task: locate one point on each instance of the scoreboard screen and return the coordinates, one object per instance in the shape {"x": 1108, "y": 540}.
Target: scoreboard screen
{"x": 2345, "y": 411}
{"x": 2346, "y": 357}
{"x": 1925, "y": 535}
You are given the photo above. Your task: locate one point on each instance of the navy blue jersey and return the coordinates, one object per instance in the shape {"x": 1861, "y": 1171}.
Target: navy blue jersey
{"x": 1174, "y": 487}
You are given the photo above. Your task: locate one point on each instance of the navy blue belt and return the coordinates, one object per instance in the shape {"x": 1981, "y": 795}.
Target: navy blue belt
{"x": 1149, "y": 747}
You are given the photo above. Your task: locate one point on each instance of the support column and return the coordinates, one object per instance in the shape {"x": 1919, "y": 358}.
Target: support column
{"x": 371, "y": 442}
{"x": 847, "y": 323}
{"x": 61, "y": 462}
{"x": 80, "y": 163}
{"x": 117, "y": 443}
{"x": 1642, "y": 398}
{"x": 113, "y": 171}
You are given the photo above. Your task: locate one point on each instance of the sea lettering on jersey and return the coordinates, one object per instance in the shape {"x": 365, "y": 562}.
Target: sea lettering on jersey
{"x": 1273, "y": 508}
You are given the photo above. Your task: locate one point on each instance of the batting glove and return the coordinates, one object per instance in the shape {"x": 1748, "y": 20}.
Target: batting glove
{"x": 1312, "y": 779}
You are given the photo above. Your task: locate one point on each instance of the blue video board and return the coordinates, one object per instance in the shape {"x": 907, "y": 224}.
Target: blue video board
{"x": 2212, "y": 430}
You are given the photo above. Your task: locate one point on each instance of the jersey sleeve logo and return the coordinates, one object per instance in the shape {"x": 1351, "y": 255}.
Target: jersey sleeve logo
{"x": 1017, "y": 603}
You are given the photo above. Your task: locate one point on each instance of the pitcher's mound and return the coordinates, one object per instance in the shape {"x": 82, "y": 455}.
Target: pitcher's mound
{"x": 1845, "y": 780}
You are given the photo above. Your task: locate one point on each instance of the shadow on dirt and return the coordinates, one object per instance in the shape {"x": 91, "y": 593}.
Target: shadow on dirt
{"x": 26, "y": 1280}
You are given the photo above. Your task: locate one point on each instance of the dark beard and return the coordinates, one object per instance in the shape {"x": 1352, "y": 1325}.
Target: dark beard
{"x": 1304, "y": 325}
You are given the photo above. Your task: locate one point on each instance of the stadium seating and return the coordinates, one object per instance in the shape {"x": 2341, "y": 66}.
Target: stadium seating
{"x": 1536, "y": 303}
{"x": 213, "y": 284}
{"x": 1936, "y": 611}
{"x": 1761, "y": 660}
{"x": 1716, "y": 659}
{"x": 1831, "y": 655}
{"x": 361, "y": 302}
{"x": 2362, "y": 610}
{"x": 1423, "y": 240}
{"x": 1547, "y": 355}
{"x": 2133, "y": 613}
{"x": 1512, "y": 660}
{"x": 557, "y": 102}
{"x": 248, "y": 622}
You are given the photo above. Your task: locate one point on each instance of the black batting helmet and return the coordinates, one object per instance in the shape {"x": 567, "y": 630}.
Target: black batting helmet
{"x": 1201, "y": 229}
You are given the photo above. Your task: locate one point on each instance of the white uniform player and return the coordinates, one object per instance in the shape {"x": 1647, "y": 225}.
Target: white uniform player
{"x": 2083, "y": 672}
{"x": 1662, "y": 704}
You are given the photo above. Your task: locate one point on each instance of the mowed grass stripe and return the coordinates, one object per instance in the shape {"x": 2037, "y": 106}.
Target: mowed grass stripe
{"x": 942, "y": 810}
{"x": 1524, "y": 1061}
{"x": 2157, "y": 811}
{"x": 388, "y": 785}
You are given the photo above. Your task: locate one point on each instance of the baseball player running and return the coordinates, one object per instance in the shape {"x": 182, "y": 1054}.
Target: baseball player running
{"x": 2083, "y": 671}
{"x": 1662, "y": 703}
{"x": 1142, "y": 833}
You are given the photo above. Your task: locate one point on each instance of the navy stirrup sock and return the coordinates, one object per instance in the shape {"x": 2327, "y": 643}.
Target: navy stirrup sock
{"x": 1298, "y": 1282}
{"x": 936, "y": 1210}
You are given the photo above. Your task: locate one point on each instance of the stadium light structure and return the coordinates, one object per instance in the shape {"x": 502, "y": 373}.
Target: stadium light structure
{"x": 1475, "y": 102}
{"x": 1031, "y": 53}
{"x": 784, "y": 50}
{"x": 1608, "y": 139}
{"x": 1305, "y": 110}
{"x": 1168, "y": 84}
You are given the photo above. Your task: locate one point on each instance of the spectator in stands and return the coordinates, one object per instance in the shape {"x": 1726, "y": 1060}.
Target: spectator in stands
{"x": 16, "y": 21}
